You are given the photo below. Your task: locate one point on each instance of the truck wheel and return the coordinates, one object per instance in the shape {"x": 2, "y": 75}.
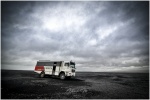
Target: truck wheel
{"x": 62, "y": 76}
{"x": 42, "y": 75}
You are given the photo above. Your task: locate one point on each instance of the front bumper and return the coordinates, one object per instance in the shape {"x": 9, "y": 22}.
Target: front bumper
{"x": 70, "y": 73}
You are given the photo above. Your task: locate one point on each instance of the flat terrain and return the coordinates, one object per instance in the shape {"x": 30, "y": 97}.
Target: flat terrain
{"x": 86, "y": 85}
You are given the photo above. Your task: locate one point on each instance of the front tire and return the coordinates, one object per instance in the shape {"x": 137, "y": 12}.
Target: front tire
{"x": 62, "y": 76}
{"x": 42, "y": 75}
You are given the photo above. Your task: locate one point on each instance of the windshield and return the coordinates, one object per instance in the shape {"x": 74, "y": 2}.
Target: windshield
{"x": 73, "y": 66}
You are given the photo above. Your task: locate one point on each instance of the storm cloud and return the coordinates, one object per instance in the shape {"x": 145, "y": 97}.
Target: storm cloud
{"x": 98, "y": 36}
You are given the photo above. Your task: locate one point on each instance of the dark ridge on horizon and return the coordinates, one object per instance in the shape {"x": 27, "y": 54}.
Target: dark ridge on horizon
{"x": 15, "y": 70}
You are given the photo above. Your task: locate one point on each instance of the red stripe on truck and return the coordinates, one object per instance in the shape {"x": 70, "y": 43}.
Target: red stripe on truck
{"x": 39, "y": 68}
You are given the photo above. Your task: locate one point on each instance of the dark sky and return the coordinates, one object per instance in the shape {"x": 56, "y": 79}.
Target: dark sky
{"x": 98, "y": 36}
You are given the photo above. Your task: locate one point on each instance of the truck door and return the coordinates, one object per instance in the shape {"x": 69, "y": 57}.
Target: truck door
{"x": 54, "y": 68}
{"x": 57, "y": 68}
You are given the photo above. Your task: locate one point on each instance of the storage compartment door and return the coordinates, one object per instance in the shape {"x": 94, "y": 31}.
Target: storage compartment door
{"x": 48, "y": 70}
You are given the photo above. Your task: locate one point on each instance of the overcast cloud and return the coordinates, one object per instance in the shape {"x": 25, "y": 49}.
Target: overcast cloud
{"x": 98, "y": 36}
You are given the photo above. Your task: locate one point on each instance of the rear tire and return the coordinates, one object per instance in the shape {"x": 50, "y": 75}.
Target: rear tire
{"x": 62, "y": 76}
{"x": 42, "y": 75}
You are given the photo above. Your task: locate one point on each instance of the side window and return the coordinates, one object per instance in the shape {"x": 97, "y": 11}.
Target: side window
{"x": 66, "y": 64}
{"x": 48, "y": 63}
{"x": 40, "y": 64}
{"x": 44, "y": 63}
{"x": 58, "y": 63}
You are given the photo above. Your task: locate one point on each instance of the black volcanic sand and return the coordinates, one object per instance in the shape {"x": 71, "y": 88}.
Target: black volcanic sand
{"x": 27, "y": 85}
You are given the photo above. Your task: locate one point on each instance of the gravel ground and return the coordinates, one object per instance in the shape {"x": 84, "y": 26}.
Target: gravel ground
{"x": 27, "y": 85}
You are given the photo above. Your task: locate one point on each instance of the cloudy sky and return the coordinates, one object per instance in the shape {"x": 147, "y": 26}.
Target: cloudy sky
{"x": 98, "y": 36}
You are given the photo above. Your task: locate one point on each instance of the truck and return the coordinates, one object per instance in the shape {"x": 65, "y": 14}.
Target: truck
{"x": 61, "y": 69}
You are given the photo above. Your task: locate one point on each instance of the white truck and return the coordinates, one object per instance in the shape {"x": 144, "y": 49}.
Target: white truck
{"x": 62, "y": 69}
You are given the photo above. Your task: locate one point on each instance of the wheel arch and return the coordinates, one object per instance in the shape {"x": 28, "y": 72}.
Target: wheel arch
{"x": 62, "y": 72}
{"x": 42, "y": 72}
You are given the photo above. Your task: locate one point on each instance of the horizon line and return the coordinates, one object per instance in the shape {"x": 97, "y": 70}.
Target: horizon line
{"x": 85, "y": 71}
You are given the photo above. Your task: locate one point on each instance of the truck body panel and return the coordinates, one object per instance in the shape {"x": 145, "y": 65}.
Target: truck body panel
{"x": 55, "y": 68}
